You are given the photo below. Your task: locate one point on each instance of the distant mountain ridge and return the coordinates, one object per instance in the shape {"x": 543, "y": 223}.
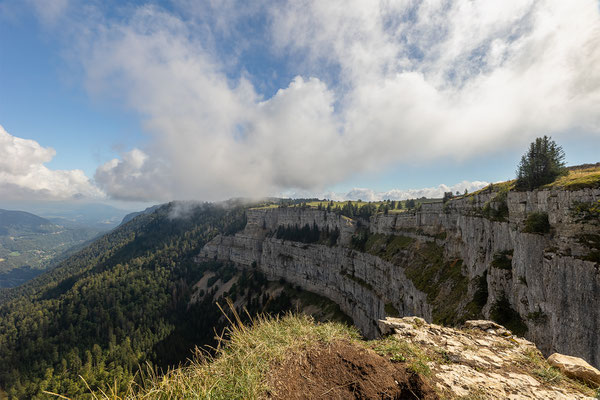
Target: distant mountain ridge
{"x": 29, "y": 242}
{"x": 20, "y": 222}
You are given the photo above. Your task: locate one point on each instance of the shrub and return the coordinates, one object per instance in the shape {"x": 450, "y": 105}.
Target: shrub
{"x": 503, "y": 260}
{"x": 503, "y": 313}
{"x": 537, "y": 222}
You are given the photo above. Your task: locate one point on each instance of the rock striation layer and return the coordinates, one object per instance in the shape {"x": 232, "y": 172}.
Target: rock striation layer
{"x": 551, "y": 280}
{"x": 483, "y": 361}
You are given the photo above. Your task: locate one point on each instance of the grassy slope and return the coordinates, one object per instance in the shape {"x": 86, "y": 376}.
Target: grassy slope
{"x": 242, "y": 364}
{"x": 578, "y": 177}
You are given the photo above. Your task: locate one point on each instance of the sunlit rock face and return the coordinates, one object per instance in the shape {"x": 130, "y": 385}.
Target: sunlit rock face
{"x": 552, "y": 280}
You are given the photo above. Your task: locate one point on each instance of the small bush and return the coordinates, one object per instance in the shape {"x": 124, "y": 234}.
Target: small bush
{"x": 537, "y": 317}
{"x": 503, "y": 260}
{"x": 586, "y": 211}
{"x": 481, "y": 293}
{"x": 503, "y": 313}
{"x": 537, "y": 222}
{"x": 391, "y": 311}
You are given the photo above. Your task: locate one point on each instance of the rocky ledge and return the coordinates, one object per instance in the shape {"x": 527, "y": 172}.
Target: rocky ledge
{"x": 483, "y": 360}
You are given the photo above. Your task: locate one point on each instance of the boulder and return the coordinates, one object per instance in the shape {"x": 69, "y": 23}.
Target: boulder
{"x": 575, "y": 367}
{"x": 487, "y": 326}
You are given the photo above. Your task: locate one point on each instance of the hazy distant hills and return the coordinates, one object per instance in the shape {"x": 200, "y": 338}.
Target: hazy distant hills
{"x": 28, "y": 243}
{"x": 102, "y": 217}
{"x": 21, "y": 222}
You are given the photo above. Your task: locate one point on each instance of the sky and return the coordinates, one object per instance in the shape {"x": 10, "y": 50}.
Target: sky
{"x": 144, "y": 102}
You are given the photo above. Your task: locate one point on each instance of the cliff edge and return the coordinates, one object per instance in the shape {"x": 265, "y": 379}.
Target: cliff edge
{"x": 529, "y": 260}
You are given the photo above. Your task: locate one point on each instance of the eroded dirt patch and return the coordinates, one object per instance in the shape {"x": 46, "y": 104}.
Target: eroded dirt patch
{"x": 341, "y": 370}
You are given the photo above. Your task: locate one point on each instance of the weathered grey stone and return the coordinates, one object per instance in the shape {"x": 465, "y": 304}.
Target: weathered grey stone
{"x": 575, "y": 367}
{"x": 479, "y": 365}
{"x": 555, "y": 290}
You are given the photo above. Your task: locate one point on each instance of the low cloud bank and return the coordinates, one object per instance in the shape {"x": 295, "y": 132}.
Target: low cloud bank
{"x": 398, "y": 194}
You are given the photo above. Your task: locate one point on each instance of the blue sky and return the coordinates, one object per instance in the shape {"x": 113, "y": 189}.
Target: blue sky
{"x": 155, "y": 101}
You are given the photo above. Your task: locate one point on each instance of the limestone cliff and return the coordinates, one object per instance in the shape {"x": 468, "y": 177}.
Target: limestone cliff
{"x": 467, "y": 258}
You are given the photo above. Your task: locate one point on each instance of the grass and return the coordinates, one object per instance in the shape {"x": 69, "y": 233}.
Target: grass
{"x": 532, "y": 360}
{"x": 241, "y": 363}
{"x": 415, "y": 357}
{"x": 578, "y": 178}
{"x": 442, "y": 280}
{"x": 586, "y": 211}
{"x": 496, "y": 187}
{"x": 243, "y": 360}
{"x": 387, "y": 246}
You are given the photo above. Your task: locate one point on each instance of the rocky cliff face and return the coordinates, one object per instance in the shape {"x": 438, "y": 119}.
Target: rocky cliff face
{"x": 549, "y": 282}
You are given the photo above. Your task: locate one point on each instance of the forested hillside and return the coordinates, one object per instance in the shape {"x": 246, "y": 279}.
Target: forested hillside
{"x": 29, "y": 243}
{"x": 124, "y": 301}
{"x": 109, "y": 308}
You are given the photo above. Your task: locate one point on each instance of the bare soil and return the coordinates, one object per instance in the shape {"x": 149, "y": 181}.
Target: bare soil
{"x": 342, "y": 370}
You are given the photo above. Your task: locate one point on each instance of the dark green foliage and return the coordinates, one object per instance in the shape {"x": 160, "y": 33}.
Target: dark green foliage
{"x": 586, "y": 211}
{"x": 354, "y": 210}
{"x": 541, "y": 164}
{"x": 29, "y": 244}
{"x": 425, "y": 265}
{"x": 538, "y": 317}
{"x": 124, "y": 301}
{"x": 391, "y": 311}
{"x": 308, "y": 234}
{"x": 386, "y": 246}
{"x": 474, "y": 308}
{"x": 497, "y": 208}
{"x": 592, "y": 242}
{"x": 109, "y": 308}
{"x": 502, "y": 260}
{"x": 410, "y": 204}
{"x": 447, "y": 196}
{"x": 442, "y": 280}
{"x": 359, "y": 239}
{"x": 481, "y": 291}
{"x": 503, "y": 313}
{"x": 537, "y": 222}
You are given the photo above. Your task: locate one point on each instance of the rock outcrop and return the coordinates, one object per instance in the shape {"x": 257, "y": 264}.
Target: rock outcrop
{"x": 482, "y": 362}
{"x": 575, "y": 367}
{"x": 549, "y": 281}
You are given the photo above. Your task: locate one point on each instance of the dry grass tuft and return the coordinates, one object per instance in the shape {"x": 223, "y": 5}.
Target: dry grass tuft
{"x": 240, "y": 363}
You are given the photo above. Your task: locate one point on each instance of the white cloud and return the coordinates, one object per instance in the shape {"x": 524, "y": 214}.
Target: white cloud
{"x": 24, "y": 177}
{"x": 413, "y": 81}
{"x": 399, "y": 194}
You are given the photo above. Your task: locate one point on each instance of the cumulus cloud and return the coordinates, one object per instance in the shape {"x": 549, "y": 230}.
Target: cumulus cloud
{"x": 399, "y": 194}
{"x": 378, "y": 83}
{"x": 24, "y": 177}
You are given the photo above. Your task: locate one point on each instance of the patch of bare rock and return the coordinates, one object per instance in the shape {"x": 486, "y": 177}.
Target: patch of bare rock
{"x": 485, "y": 361}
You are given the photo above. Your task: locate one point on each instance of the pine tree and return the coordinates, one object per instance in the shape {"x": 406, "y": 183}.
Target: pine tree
{"x": 541, "y": 164}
